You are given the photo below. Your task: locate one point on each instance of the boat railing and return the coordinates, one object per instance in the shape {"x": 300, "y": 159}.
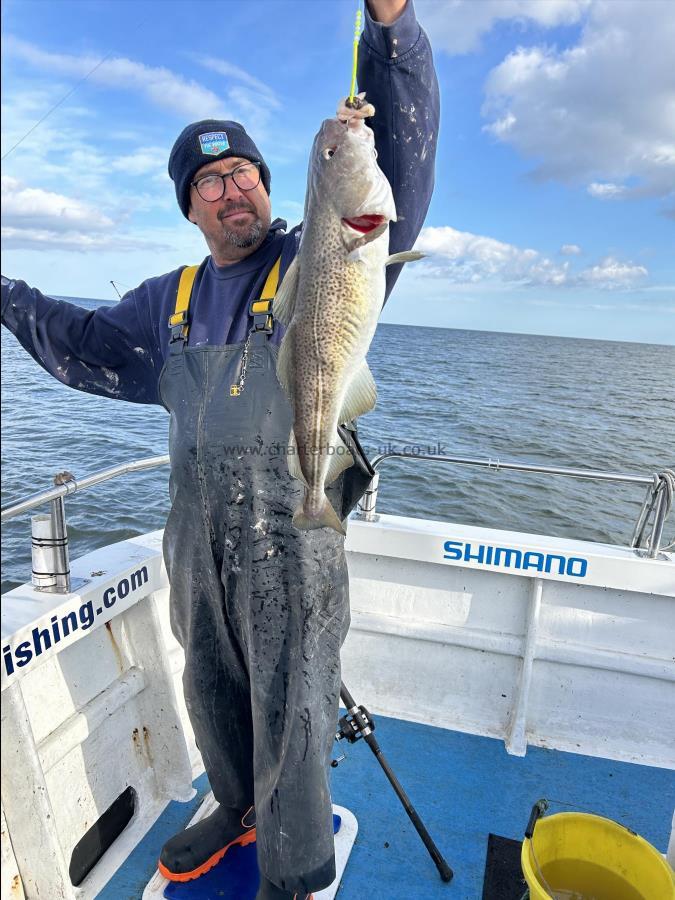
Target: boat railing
{"x": 648, "y": 531}
{"x": 51, "y": 567}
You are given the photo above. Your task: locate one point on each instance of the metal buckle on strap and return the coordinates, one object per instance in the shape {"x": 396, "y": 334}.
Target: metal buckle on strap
{"x": 262, "y": 316}
{"x": 263, "y": 323}
{"x": 178, "y": 325}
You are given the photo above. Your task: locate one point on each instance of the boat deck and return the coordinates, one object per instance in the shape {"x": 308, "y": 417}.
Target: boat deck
{"x": 464, "y": 787}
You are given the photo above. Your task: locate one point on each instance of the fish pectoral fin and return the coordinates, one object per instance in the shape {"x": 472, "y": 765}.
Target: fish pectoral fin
{"x": 285, "y": 362}
{"x": 340, "y": 460}
{"x": 294, "y": 469}
{"x": 405, "y": 256}
{"x": 283, "y": 306}
{"x": 361, "y": 395}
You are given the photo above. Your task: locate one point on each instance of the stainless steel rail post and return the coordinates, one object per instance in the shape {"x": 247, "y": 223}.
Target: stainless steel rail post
{"x": 657, "y": 528}
{"x": 60, "y": 536}
{"x": 656, "y": 502}
{"x": 51, "y": 563}
{"x": 638, "y": 531}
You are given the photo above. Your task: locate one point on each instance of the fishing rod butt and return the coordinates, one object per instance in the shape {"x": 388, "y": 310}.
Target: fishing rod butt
{"x": 358, "y": 724}
{"x": 444, "y": 869}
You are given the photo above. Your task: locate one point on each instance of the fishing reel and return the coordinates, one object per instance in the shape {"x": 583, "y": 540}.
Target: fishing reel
{"x": 356, "y": 724}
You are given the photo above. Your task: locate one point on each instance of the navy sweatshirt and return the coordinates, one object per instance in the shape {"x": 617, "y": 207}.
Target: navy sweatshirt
{"x": 118, "y": 351}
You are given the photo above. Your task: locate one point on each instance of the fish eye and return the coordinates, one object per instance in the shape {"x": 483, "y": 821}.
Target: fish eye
{"x": 328, "y": 152}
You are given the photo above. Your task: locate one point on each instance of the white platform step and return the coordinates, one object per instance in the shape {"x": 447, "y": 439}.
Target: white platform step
{"x": 344, "y": 841}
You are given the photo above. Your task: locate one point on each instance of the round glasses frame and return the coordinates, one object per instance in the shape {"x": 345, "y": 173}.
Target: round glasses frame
{"x": 247, "y": 176}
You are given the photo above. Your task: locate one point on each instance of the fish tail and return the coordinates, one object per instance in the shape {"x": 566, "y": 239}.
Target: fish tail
{"x": 324, "y": 517}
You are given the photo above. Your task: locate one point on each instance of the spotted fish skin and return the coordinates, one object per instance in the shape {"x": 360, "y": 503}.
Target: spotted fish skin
{"x": 330, "y": 300}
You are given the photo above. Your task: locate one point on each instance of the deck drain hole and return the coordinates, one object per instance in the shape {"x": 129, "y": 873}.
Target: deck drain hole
{"x": 91, "y": 847}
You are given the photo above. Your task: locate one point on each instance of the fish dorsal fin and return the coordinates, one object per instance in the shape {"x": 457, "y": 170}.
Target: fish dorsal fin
{"x": 284, "y": 301}
{"x": 405, "y": 256}
{"x": 361, "y": 395}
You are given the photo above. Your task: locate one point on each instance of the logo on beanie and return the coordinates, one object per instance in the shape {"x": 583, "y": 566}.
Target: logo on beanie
{"x": 214, "y": 143}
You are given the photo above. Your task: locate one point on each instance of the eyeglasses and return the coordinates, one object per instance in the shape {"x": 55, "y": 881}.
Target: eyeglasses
{"x": 212, "y": 187}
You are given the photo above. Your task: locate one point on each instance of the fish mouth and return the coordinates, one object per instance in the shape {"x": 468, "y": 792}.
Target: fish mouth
{"x": 365, "y": 224}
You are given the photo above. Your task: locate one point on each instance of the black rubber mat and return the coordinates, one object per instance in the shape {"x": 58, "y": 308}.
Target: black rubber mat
{"x": 503, "y": 876}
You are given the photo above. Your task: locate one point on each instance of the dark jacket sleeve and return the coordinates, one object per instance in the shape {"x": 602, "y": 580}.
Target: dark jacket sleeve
{"x": 396, "y": 70}
{"x": 107, "y": 351}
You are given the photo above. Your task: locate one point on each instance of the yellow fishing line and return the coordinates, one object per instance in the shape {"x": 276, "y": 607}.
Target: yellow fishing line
{"x": 357, "y": 32}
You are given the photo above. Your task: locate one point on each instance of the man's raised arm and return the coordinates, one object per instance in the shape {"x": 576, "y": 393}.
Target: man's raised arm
{"x": 108, "y": 351}
{"x": 396, "y": 70}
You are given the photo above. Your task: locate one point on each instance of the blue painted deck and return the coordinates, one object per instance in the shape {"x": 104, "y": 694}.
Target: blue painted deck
{"x": 463, "y": 787}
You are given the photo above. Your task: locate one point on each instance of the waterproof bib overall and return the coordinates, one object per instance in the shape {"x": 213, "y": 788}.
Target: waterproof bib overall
{"x": 259, "y": 607}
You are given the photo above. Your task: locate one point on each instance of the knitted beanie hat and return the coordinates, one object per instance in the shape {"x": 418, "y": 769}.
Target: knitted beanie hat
{"x": 203, "y": 142}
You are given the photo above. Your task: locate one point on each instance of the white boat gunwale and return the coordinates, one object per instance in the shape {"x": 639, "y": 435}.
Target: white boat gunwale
{"x": 531, "y": 657}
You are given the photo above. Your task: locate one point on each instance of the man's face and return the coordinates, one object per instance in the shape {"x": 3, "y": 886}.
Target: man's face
{"x": 236, "y": 225}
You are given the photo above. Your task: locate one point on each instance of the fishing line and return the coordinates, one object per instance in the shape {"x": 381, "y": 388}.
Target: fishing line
{"x": 65, "y": 97}
{"x": 357, "y": 33}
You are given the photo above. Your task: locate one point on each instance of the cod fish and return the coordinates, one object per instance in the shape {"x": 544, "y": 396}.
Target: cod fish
{"x": 330, "y": 300}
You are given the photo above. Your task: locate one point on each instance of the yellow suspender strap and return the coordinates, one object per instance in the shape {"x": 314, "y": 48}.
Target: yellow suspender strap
{"x": 269, "y": 290}
{"x": 179, "y": 317}
{"x": 178, "y": 322}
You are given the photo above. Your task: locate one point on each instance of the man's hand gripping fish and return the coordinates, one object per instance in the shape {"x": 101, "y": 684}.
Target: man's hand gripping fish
{"x": 330, "y": 299}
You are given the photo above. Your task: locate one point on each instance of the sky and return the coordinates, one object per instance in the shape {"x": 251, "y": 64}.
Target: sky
{"x": 554, "y": 206}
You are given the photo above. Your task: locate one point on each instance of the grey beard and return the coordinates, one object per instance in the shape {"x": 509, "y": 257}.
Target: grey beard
{"x": 247, "y": 239}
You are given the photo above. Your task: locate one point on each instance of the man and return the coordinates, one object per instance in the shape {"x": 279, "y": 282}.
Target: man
{"x": 260, "y": 608}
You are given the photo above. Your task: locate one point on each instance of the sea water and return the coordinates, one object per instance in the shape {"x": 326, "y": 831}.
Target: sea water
{"x": 545, "y": 400}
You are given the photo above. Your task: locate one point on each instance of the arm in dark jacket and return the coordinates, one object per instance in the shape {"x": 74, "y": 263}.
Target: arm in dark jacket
{"x": 396, "y": 70}
{"x": 107, "y": 351}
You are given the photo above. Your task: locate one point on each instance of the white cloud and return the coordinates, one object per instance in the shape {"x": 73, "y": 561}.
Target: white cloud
{"x": 35, "y": 219}
{"x": 601, "y": 112}
{"x": 570, "y": 250}
{"x": 148, "y": 160}
{"x": 159, "y": 85}
{"x": 611, "y": 274}
{"x": 464, "y": 258}
{"x": 26, "y": 207}
{"x": 82, "y": 242}
{"x": 292, "y": 206}
{"x": 222, "y": 67}
{"x": 605, "y": 190}
{"x": 246, "y": 98}
{"x": 252, "y": 101}
{"x": 457, "y": 26}
{"x": 644, "y": 306}
{"x": 123, "y": 176}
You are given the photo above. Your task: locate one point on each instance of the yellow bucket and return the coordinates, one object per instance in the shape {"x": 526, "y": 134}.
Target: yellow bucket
{"x": 577, "y": 856}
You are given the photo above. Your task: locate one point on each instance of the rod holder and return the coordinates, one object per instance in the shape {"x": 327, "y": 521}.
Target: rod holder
{"x": 51, "y": 564}
{"x": 365, "y": 508}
